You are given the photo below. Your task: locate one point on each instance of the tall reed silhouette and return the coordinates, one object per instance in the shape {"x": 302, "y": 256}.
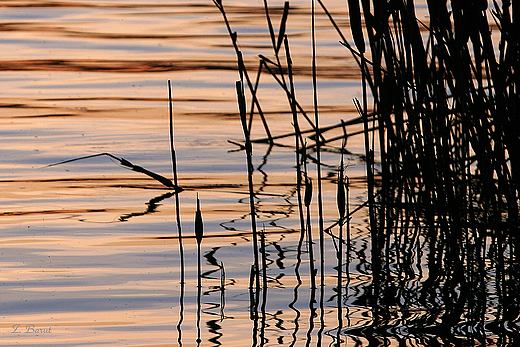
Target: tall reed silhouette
{"x": 177, "y": 214}
{"x": 342, "y": 205}
{"x": 249, "y": 159}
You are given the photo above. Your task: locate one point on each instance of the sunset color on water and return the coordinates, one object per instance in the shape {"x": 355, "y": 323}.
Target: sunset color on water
{"x": 100, "y": 249}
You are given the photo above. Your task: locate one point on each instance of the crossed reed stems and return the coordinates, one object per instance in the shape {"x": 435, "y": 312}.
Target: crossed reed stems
{"x": 443, "y": 132}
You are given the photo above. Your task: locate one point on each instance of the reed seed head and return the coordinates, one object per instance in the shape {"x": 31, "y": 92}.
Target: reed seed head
{"x": 308, "y": 191}
{"x": 242, "y": 107}
{"x": 199, "y": 227}
{"x": 341, "y": 192}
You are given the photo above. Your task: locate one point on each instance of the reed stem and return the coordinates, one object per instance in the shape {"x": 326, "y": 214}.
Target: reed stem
{"x": 248, "y": 147}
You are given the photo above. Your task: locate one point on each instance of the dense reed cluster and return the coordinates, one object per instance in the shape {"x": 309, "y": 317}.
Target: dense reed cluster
{"x": 445, "y": 99}
{"x": 440, "y": 114}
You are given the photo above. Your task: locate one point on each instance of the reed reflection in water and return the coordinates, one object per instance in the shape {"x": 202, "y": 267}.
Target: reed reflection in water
{"x": 437, "y": 132}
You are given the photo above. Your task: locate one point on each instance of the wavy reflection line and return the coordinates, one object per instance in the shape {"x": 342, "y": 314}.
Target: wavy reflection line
{"x": 128, "y": 66}
{"x": 100, "y": 5}
{"x": 312, "y": 315}
{"x": 181, "y": 314}
{"x": 153, "y": 204}
{"x": 295, "y": 290}
{"x": 214, "y": 328}
{"x": 210, "y": 258}
{"x": 264, "y": 255}
{"x": 322, "y": 313}
{"x": 253, "y": 304}
{"x": 222, "y": 291}
{"x": 45, "y": 212}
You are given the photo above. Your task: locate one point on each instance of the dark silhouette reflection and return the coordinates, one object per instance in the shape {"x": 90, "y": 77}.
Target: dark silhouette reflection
{"x": 152, "y": 206}
{"x": 181, "y": 314}
{"x": 199, "y": 340}
{"x": 438, "y": 260}
{"x": 264, "y": 255}
{"x": 312, "y": 315}
{"x": 433, "y": 291}
{"x": 259, "y": 318}
{"x": 253, "y": 304}
{"x": 199, "y": 293}
{"x": 214, "y": 328}
{"x": 436, "y": 286}
{"x": 261, "y": 194}
{"x": 213, "y": 324}
{"x": 295, "y": 290}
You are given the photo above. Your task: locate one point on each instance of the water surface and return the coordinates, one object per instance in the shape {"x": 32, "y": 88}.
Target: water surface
{"x": 89, "y": 251}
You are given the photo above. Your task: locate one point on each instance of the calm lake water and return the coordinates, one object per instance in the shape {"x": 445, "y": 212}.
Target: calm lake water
{"x": 89, "y": 251}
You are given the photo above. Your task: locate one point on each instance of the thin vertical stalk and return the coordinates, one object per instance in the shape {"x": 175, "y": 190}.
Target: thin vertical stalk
{"x": 248, "y": 147}
{"x": 347, "y": 256}
{"x": 340, "y": 199}
{"x": 297, "y": 138}
{"x": 307, "y": 202}
{"x": 177, "y": 214}
{"x": 253, "y": 303}
{"x": 175, "y": 182}
{"x": 318, "y": 168}
{"x": 264, "y": 261}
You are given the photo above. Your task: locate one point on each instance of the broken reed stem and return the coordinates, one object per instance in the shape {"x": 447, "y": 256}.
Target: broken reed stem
{"x": 276, "y": 49}
{"x": 276, "y": 43}
{"x": 282, "y": 84}
{"x": 354, "y": 121}
{"x": 165, "y": 181}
